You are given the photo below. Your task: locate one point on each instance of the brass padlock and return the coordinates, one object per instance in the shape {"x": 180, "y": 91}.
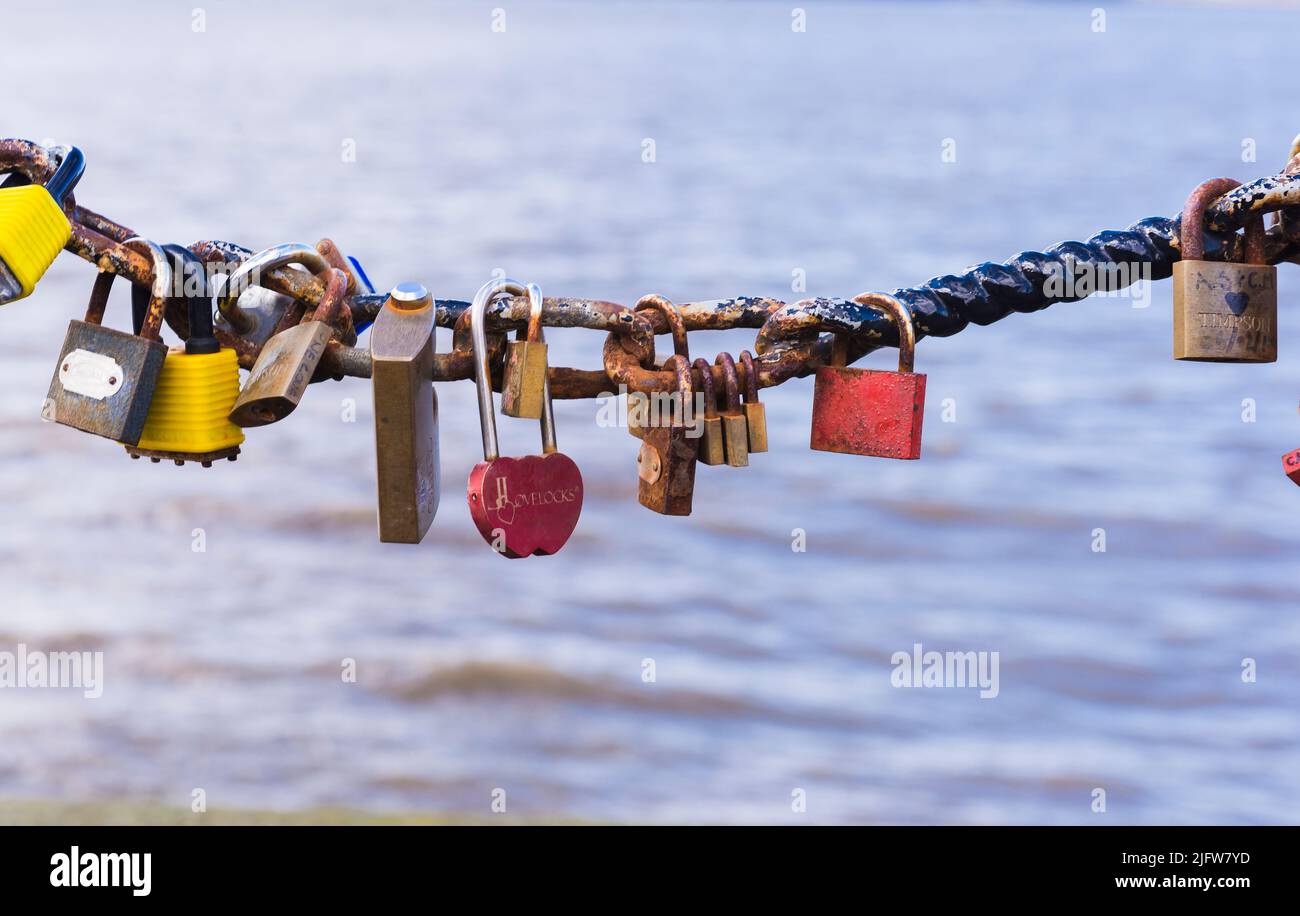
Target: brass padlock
{"x": 712, "y": 451}
{"x": 105, "y": 379}
{"x": 278, "y": 379}
{"x": 755, "y": 412}
{"x": 735, "y": 433}
{"x": 406, "y": 414}
{"x": 523, "y": 381}
{"x": 1223, "y": 312}
{"x": 666, "y": 462}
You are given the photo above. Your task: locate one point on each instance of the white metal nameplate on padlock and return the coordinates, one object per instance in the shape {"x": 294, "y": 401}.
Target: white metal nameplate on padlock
{"x": 90, "y": 375}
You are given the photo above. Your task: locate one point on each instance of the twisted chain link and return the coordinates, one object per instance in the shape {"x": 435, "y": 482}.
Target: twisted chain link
{"x": 793, "y": 338}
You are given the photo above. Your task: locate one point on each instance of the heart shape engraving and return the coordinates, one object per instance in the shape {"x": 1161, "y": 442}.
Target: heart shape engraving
{"x": 1237, "y": 302}
{"x": 526, "y": 506}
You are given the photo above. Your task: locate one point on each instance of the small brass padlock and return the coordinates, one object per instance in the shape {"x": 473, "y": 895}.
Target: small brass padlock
{"x": 105, "y": 379}
{"x": 755, "y": 412}
{"x": 523, "y": 381}
{"x": 868, "y": 411}
{"x": 526, "y": 506}
{"x": 406, "y": 414}
{"x": 666, "y": 462}
{"x": 1223, "y": 312}
{"x": 712, "y": 451}
{"x": 285, "y": 367}
{"x": 34, "y": 228}
{"x": 735, "y": 435}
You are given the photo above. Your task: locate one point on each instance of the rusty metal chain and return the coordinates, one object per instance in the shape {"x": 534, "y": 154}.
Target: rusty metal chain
{"x": 793, "y": 338}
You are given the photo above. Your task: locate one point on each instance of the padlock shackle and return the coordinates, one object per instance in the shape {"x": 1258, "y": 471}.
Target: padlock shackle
{"x": 1191, "y": 229}
{"x": 68, "y": 173}
{"x": 706, "y": 385}
{"x": 330, "y": 306}
{"x": 672, "y": 316}
{"x": 249, "y": 273}
{"x": 751, "y": 377}
{"x": 903, "y": 318}
{"x": 162, "y": 285}
{"x": 732, "y": 381}
{"x": 488, "y": 292}
{"x": 198, "y": 310}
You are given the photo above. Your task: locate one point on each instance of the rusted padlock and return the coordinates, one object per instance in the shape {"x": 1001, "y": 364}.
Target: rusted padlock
{"x": 276, "y": 383}
{"x": 755, "y": 412}
{"x": 868, "y": 411}
{"x": 406, "y": 414}
{"x": 666, "y": 462}
{"x": 105, "y": 379}
{"x": 523, "y": 380}
{"x": 521, "y": 506}
{"x": 711, "y": 451}
{"x": 641, "y": 406}
{"x": 1223, "y": 312}
{"x": 734, "y": 434}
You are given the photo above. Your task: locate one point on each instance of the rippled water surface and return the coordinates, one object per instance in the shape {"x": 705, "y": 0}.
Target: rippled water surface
{"x": 775, "y": 151}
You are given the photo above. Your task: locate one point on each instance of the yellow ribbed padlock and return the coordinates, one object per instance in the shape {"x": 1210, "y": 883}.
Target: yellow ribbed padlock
{"x": 188, "y": 417}
{"x": 33, "y": 228}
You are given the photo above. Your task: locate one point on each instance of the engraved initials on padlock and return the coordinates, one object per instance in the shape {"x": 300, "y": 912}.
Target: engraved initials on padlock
{"x": 1223, "y": 312}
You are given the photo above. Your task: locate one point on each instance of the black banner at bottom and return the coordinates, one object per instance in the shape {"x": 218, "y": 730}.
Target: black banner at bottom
{"x": 217, "y": 864}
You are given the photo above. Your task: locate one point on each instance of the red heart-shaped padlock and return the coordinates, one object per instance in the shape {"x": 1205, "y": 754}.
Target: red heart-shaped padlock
{"x": 525, "y": 506}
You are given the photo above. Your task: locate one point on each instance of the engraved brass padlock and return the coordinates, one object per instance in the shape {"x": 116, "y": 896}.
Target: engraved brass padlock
{"x": 666, "y": 462}
{"x": 285, "y": 367}
{"x": 712, "y": 451}
{"x": 406, "y": 414}
{"x": 867, "y": 411}
{"x": 105, "y": 379}
{"x": 524, "y": 377}
{"x": 735, "y": 435}
{"x": 755, "y": 412}
{"x": 1223, "y": 312}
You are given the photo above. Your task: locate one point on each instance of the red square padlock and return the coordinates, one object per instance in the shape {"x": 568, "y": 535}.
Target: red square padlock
{"x": 1291, "y": 465}
{"x": 870, "y": 411}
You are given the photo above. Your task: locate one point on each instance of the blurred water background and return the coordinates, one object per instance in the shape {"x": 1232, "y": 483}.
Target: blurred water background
{"x": 775, "y": 151}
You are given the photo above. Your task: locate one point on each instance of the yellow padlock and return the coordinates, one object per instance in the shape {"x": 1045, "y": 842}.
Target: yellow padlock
{"x": 33, "y": 227}
{"x": 188, "y": 417}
